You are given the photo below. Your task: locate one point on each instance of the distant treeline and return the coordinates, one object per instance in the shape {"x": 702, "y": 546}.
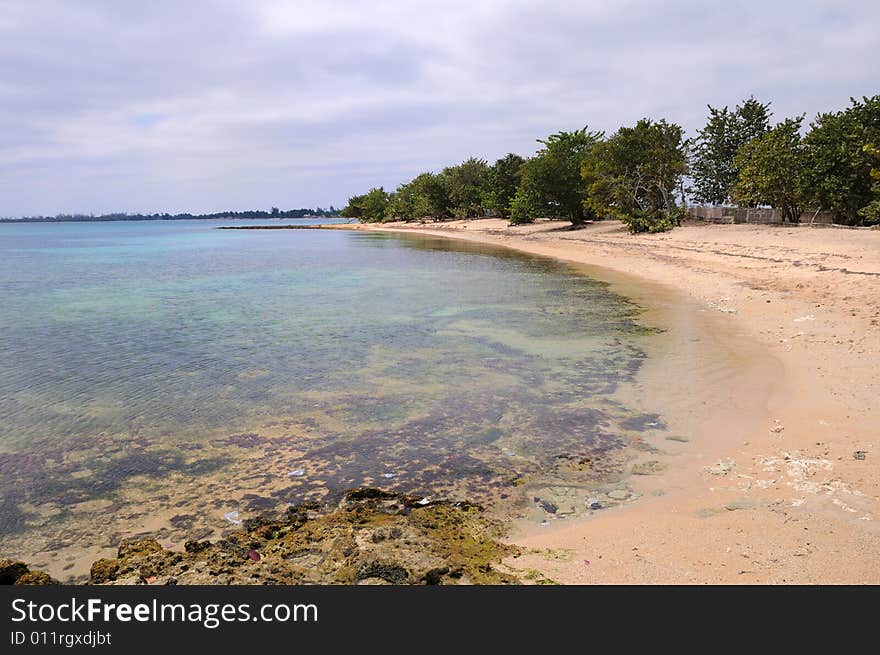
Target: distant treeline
{"x": 254, "y": 213}
{"x": 645, "y": 174}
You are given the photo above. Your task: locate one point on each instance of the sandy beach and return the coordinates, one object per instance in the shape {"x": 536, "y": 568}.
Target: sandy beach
{"x": 767, "y": 380}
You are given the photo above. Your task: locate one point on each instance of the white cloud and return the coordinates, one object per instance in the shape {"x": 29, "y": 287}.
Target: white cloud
{"x": 203, "y": 106}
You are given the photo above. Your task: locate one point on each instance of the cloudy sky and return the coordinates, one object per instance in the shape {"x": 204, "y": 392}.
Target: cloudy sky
{"x": 155, "y": 105}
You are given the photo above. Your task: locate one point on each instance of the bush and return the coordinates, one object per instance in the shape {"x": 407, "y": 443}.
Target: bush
{"x": 521, "y": 208}
{"x": 653, "y": 221}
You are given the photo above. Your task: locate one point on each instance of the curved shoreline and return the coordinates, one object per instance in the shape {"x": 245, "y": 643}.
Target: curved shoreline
{"x": 788, "y": 501}
{"x": 765, "y": 376}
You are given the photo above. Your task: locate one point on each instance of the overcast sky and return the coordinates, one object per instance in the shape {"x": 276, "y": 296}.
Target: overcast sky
{"x": 239, "y": 104}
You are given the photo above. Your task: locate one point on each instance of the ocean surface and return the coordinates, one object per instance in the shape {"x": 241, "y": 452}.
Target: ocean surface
{"x": 173, "y": 379}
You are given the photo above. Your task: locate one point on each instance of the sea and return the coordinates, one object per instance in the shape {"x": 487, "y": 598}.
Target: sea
{"x": 173, "y": 379}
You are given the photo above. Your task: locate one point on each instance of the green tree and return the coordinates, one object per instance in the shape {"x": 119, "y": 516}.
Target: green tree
{"x": 550, "y": 182}
{"x": 410, "y": 201}
{"x": 838, "y": 174}
{"x": 467, "y": 185}
{"x": 751, "y": 120}
{"x": 368, "y": 208}
{"x": 634, "y": 174}
{"x": 426, "y": 195}
{"x": 716, "y": 145}
{"x": 354, "y": 208}
{"x": 771, "y": 170}
{"x": 870, "y": 213}
{"x": 436, "y": 193}
{"x": 504, "y": 178}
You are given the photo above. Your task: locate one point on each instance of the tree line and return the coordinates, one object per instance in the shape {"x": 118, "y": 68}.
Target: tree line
{"x": 645, "y": 174}
{"x": 253, "y": 213}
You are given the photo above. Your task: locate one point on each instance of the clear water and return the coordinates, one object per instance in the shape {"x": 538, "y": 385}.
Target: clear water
{"x": 155, "y": 376}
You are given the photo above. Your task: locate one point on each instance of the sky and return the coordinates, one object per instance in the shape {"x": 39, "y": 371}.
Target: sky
{"x": 206, "y": 106}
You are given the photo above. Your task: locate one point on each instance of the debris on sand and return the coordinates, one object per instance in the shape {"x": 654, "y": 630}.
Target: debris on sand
{"x": 721, "y": 467}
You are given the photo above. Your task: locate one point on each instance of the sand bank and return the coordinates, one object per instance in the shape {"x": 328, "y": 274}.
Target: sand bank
{"x": 768, "y": 380}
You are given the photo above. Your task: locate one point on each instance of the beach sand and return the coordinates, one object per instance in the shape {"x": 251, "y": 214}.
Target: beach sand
{"x": 768, "y": 379}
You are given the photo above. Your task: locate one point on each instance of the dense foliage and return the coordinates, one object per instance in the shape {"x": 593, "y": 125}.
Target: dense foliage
{"x": 771, "y": 170}
{"x": 369, "y": 208}
{"x": 837, "y": 176}
{"x": 467, "y": 188}
{"x": 634, "y": 175}
{"x": 550, "y": 182}
{"x": 639, "y": 174}
{"x": 412, "y": 199}
{"x": 715, "y": 147}
{"x": 504, "y": 179}
{"x": 870, "y": 213}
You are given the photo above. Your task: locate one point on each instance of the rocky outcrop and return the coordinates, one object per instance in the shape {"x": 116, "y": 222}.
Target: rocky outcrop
{"x": 18, "y": 573}
{"x": 372, "y": 537}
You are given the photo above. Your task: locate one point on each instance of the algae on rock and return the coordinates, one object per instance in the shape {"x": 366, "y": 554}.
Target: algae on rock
{"x": 372, "y": 537}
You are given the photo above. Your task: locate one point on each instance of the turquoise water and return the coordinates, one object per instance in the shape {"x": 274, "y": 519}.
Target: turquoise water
{"x": 156, "y": 376}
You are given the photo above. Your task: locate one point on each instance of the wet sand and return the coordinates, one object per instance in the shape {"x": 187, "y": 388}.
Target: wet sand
{"x": 767, "y": 381}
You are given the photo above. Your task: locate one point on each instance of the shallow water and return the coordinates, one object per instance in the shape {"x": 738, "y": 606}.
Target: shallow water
{"x": 156, "y": 376}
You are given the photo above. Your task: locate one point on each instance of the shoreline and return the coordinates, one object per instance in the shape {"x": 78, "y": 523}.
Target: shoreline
{"x": 772, "y": 491}
{"x": 758, "y": 469}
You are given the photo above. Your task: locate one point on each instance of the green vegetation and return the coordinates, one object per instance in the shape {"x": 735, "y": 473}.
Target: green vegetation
{"x": 370, "y": 207}
{"x": 716, "y": 145}
{"x": 633, "y": 176}
{"x": 837, "y": 174}
{"x": 504, "y": 179}
{"x": 870, "y": 213}
{"x": 638, "y": 174}
{"x": 411, "y": 199}
{"x": 550, "y": 182}
{"x": 771, "y": 170}
{"x": 467, "y": 187}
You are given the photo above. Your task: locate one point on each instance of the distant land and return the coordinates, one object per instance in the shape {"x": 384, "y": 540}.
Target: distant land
{"x": 254, "y": 213}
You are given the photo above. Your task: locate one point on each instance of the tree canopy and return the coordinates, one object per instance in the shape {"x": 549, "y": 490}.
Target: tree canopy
{"x": 504, "y": 178}
{"x": 837, "y": 176}
{"x": 715, "y": 147}
{"x": 467, "y": 187}
{"x": 550, "y": 182}
{"x": 634, "y": 175}
{"x": 369, "y": 208}
{"x": 870, "y": 213}
{"x": 771, "y": 170}
{"x": 639, "y": 173}
{"x": 410, "y": 200}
